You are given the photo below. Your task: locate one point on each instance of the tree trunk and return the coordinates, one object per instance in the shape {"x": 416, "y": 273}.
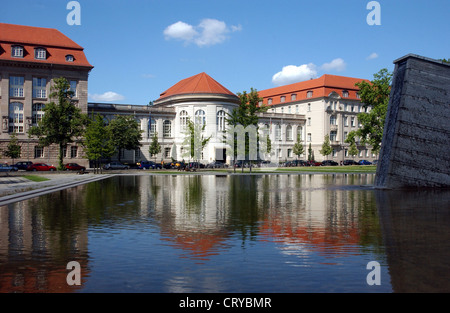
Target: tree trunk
{"x": 61, "y": 157}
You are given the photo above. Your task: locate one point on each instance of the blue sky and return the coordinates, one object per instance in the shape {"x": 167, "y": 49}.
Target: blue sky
{"x": 141, "y": 48}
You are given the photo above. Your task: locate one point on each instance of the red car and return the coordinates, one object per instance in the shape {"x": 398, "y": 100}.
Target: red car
{"x": 41, "y": 167}
{"x": 74, "y": 167}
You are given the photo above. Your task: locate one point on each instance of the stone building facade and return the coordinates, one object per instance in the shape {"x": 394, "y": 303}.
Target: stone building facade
{"x": 30, "y": 59}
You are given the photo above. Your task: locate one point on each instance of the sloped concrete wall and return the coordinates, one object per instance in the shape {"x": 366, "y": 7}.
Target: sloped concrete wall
{"x": 416, "y": 141}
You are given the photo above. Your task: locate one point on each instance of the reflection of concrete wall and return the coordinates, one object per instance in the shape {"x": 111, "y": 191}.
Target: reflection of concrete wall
{"x": 415, "y": 230}
{"x": 417, "y": 130}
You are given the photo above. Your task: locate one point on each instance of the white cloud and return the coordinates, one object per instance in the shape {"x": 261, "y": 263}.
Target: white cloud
{"x": 292, "y": 74}
{"x": 208, "y": 32}
{"x": 335, "y": 65}
{"x": 372, "y": 56}
{"x": 108, "y": 96}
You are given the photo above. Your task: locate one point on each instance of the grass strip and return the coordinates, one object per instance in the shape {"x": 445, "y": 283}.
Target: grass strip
{"x": 35, "y": 178}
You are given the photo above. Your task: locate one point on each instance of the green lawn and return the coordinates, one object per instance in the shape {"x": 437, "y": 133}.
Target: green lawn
{"x": 35, "y": 178}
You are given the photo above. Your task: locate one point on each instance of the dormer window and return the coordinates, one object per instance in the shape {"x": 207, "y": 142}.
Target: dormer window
{"x": 40, "y": 54}
{"x": 17, "y": 51}
{"x": 269, "y": 101}
{"x": 282, "y": 99}
{"x": 345, "y": 94}
{"x": 309, "y": 94}
{"x": 69, "y": 58}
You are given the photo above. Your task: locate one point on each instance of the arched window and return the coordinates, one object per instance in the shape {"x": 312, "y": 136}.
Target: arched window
{"x": 289, "y": 132}
{"x": 167, "y": 129}
{"x": 221, "y": 121}
{"x": 200, "y": 117}
{"x": 278, "y": 132}
{"x": 299, "y": 133}
{"x": 16, "y": 117}
{"x": 184, "y": 116}
{"x": 152, "y": 128}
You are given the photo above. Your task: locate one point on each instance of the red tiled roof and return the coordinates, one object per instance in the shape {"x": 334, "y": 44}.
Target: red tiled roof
{"x": 198, "y": 84}
{"x": 321, "y": 87}
{"x": 57, "y": 45}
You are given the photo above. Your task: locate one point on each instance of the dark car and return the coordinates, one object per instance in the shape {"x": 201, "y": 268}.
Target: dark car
{"x": 329, "y": 163}
{"x": 116, "y": 166}
{"x": 196, "y": 165}
{"x": 41, "y": 167}
{"x": 145, "y": 165}
{"x": 74, "y": 167}
{"x": 350, "y": 162}
{"x": 364, "y": 162}
{"x": 22, "y": 165}
{"x": 313, "y": 163}
{"x": 217, "y": 164}
{"x": 8, "y": 168}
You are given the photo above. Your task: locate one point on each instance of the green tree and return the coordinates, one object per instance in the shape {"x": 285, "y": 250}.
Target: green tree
{"x": 13, "y": 149}
{"x": 63, "y": 122}
{"x": 326, "y": 147}
{"x": 247, "y": 114}
{"x": 310, "y": 153}
{"x": 298, "y": 148}
{"x": 353, "y": 150}
{"x": 125, "y": 132}
{"x": 374, "y": 96}
{"x": 194, "y": 142}
{"x": 97, "y": 141}
{"x": 154, "y": 147}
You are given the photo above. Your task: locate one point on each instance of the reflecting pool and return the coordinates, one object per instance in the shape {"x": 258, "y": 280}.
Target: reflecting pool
{"x": 232, "y": 233}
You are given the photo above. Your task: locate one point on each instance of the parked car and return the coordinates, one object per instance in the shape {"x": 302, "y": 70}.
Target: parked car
{"x": 313, "y": 163}
{"x": 217, "y": 164}
{"x": 8, "y": 168}
{"x": 329, "y": 163}
{"x": 196, "y": 165}
{"x": 350, "y": 162}
{"x": 41, "y": 167}
{"x": 116, "y": 166}
{"x": 22, "y": 165}
{"x": 375, "y": 162}
{"x": 364, "y": 162}
{"x": 145, "y": 165}
{"x": 74, "y": 167}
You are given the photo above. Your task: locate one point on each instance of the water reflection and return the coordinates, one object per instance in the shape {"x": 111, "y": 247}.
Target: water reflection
{"x": 236, "y": 233}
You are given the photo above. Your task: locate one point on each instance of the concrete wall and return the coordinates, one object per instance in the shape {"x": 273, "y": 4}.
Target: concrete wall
{"x": 416, "y": 139}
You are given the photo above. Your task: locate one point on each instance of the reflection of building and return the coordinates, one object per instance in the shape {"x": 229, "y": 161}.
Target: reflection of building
{"x": 33, "y": 253}
{"x": 30, "y": 58}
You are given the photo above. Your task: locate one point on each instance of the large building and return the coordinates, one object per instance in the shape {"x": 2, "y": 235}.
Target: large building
{"x": 30, "y": 58}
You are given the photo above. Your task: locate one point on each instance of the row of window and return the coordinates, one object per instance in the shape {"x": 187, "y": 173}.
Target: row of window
{"x": 39, "y": 152}
{"x": 16, "y": 87}
{"x": 16, "y": 116}
{"x": 309, "y": 94}
{"x": 40, "y": 53}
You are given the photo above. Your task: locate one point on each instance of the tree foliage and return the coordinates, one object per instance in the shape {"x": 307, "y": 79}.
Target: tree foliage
{"x": 374, "y": 95}
{"x": 125, "y": 132}
{"x": 13, "y": 150}
{"x": 63, "y": 122}
{"x": 326, "y": 147}
{"x": 97, "y": 141}
{"x": 298, "y": 148}
{"x": 194, "y": 141}
{"x": 155, "y": 146}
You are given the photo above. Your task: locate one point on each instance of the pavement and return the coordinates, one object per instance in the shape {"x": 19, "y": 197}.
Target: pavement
{"x": 14, "y": 187}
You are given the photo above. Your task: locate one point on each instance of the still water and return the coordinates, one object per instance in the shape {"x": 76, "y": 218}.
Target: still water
{"x": 236, "y": 233}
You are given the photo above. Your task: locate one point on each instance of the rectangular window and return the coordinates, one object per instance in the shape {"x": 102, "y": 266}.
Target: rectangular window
{"x": 345, "y": 121}
{"x": 39, "y": 87}
{"x": 333, "y": 120}
{"x": 17, "y": 51}
{"x": 38, "y": 152}
{"x": 16, "y": 86}
{"x": 346, "y": 153}
{"x": 279, "y": 153}
{"x": 333, "y": 136}
{"x": 167, "y": 153}
{"x": 334, "y": 153}
{"x": 345, "y": 135}
{"x": 289, "y": 153}
{"x": 309, "y": 121}
{"x": 167, "y": 129}
{"x": 73, "y": 87}
{"x": 37, "y": 113}
{"x": 296, "y": 109}
{"x": 73, "y": 151}
{"x": 282, "y": 99}
{"x": 352, "y": 122}
{"x": 309, "y": 94}
{"x": 40, "y": 53}
{"x": 309, "y": 137}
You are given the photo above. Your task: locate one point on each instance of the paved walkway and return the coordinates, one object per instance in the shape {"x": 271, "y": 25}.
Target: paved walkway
{"x": 15, "y": 188}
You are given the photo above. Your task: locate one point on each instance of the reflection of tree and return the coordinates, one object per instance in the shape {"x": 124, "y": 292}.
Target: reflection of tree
{"x": 194, "y": 194}
{"x": 244, "y": 212}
